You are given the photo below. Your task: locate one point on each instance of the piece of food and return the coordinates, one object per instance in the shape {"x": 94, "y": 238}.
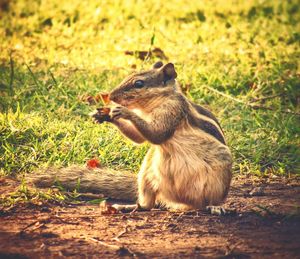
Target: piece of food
{"x": 90, "y": 99}
{"x": 102, "y": 114}
{"x": 105, "y": 98}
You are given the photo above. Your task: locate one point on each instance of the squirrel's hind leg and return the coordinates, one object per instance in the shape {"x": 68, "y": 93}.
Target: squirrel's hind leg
{"x": 147, "y": 191}
{"x": 179, "y": 207}
{"x": 147, "y": 195}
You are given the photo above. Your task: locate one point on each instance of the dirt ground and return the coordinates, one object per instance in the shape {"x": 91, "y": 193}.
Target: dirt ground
{"x": 266, "y": 225}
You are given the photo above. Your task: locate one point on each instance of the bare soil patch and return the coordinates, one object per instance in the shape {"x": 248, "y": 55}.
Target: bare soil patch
{"x": 266, "y": 225}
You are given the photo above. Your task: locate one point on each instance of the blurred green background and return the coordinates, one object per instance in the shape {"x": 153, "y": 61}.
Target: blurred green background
{"x": 238, "y": 58}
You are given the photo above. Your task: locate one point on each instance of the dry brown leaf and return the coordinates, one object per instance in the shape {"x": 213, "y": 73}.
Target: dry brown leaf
{"x": 107, "y": 209}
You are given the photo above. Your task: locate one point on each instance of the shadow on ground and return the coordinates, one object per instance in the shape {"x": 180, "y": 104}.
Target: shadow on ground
{"x": 266, "y": 225}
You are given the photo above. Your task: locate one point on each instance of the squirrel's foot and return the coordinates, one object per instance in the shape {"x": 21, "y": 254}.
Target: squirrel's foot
{"x": 216, "y": 210}
{"x": 128, "y": 208}
{"x": 139, "y": 208}
{"x": 220, "y": 211}
{"x": 125, "y": 207}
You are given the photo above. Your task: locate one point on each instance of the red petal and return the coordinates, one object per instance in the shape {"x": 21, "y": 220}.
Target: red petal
{"x": 93, "y": 163}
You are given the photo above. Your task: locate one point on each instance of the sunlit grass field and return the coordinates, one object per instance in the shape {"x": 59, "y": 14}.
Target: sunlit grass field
{"x": 239, "y": 58}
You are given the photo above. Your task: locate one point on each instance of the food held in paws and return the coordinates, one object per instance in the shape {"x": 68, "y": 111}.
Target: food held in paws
{"x": 105, "y": 98}
{"x": 102, "y": 114}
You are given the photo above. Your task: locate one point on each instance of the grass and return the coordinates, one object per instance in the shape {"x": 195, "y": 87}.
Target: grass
{"x": 53, "y": 52}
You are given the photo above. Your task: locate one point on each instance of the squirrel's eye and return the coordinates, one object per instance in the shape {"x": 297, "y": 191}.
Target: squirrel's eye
{"x": 139, "y": 83}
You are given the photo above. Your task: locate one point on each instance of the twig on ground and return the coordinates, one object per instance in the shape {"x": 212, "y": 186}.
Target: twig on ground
{"x": 87, "y": 195}
{"x": 121, "y": 250}
{"x": 256, "y": 106}
{"x": 230, "y": 249}
{"x": 67, "y": 222}
{"x": 223, "y": 94}
{"x": 121, "y": 234}
{"x": 28, "y": 226}
{"x": 179, "y": 218}
{"x": 37, "y": 224}
{"x": 113, "y": 247}
{"x": 125, "y": 207}
{"x": 267, "y": 97}
{"x": 135, "y": 209}
{"x": 249, "y": 104}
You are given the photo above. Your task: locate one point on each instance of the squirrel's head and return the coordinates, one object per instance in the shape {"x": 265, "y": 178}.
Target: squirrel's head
{"x": 143, "y": 88}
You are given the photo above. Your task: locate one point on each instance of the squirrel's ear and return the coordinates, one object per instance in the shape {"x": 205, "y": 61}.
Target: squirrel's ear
{"x": 158, "y": 64}
{"x": 169, "y": 72}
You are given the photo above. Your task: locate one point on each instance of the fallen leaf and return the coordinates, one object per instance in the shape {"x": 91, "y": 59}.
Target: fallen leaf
{"x": 93, "y": 163}
{"x": 107, "y": 209}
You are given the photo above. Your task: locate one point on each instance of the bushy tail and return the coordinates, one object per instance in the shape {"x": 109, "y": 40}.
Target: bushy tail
{"x": 110, "y": 183}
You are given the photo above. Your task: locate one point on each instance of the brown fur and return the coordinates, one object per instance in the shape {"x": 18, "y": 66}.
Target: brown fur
{"x": 112, "y": 184}
{"x": 188, "y": 165}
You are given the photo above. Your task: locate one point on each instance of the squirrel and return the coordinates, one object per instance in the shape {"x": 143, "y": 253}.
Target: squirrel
{"x": 188, "y": 165}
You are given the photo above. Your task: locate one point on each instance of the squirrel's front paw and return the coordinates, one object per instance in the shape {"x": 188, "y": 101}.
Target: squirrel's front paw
{"x": 120, "y": 112}
{"x": 101, "y": 115}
